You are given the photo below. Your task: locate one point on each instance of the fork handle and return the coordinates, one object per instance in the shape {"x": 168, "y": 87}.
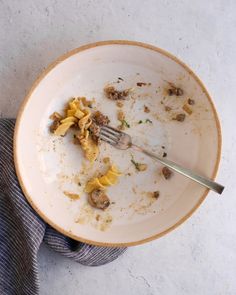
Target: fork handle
{"x": 214, "y": 186}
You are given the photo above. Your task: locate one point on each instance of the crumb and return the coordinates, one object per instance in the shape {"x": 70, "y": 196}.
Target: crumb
{"x": 120, "y": 116}
{"x": 129, "y": 174}
{"x": 109, "y": 219}
{"x": 191, "y": 101}
{"x": 148, "y": 121}
{"x": 167, "y": 173}
{"x": 168, "y": 109}
{"x": 139, "y": 166}
{"x": 72, "y": 196}
{"x": 86, "y": 103}
{"x": 56, "y": 117}
{"x": 119, "y": 104}
{"x": 146, "y": 109}
{"x": 164, "y": 155}
{"x": 156, "y": 194}
{"x": 187, "y": 109}
{"x": 175, "y": 91}
{"x": 113, "y": 94}
{"x": 79, "y": 183}
{"x": 98, "y": 217}
{"x": 163, "y": 147}
{"x": 106, "y": 160}
{"x": 142, "y": 167}
{"x": 121, "y": 79}
{"x": 180, "y": 117}
{"x": 140, "y": 84}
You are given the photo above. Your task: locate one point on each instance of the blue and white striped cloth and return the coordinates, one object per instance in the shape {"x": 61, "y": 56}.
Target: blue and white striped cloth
{"x": 22, "y": 231}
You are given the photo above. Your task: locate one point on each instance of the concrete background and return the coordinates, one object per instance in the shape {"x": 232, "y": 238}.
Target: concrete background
{"x": 199, "y": 257}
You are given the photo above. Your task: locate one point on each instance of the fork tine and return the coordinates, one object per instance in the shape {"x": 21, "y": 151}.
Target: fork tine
{"x": 107, "y": 133}
{"x": 111, "y": 129}
{"x": 108, "y": 139}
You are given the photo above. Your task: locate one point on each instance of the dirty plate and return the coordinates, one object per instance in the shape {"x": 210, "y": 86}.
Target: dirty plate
{"x": 52, "y": 171}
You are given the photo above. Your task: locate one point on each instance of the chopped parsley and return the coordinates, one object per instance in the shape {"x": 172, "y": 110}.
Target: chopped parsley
{"x": 146, "y": 121}
{"x": 136, "y": 164}
{"x": 125, "y": 123}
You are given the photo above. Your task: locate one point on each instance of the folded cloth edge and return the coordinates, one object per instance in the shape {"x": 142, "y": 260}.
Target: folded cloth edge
{"x": 22, "y": 231}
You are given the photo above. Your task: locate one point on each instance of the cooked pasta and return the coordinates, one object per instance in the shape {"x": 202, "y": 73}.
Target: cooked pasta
{"x": 79, "y": 116}
{"x": 89, "y": 146}
{"x": 108, "y": 179}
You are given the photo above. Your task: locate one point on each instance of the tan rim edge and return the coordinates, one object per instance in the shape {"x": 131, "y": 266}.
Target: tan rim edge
{"x": 36, "y": 83}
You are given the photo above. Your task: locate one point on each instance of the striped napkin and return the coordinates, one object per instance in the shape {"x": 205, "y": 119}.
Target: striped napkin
{"x": 22, "y": 231}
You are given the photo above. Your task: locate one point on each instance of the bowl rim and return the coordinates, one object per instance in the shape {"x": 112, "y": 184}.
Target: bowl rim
{"x": 27, "y": 98}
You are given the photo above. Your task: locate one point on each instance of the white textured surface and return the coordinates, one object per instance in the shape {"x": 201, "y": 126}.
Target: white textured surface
{"x": 200, "y": 256}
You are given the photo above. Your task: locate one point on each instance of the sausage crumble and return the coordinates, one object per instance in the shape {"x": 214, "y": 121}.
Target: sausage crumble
{"x": 167, "y": 173}
{"x": 114, "y": 94}
{"x": 99, "y": 199}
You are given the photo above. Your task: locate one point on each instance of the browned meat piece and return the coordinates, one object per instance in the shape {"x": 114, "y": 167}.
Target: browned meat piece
{"x": 167, "y": 173}
{"x": 167, "y": 109}
{"x": 98, "y": 199}
{"x": 146, "y": 109}
{"x": 95, "y": 132}
{"x": 175, "y": 91}
{"x": 156, "y": 194}
{"x": 180, "y": 117}
{"x": 191, "y": 101}
{"x": 114, "y": 94}
{"x": 140, "y": 84}
{"x": 56, "y": 117}
{"x": 76, "y": 139}
{"x": 94, "y": 129}
{"x": 55, "y": 124}
{"x": 100, "y": 119}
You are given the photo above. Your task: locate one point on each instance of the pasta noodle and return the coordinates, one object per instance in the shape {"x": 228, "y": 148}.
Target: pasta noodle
{"x": 77, "y": 115}
{"x": 89, "y": 146}
{"x": 108, "y": 179}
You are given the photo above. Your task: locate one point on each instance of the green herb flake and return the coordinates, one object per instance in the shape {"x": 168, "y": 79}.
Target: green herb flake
{"x": 140, "y": 122}
{"x": 136, "y": 164}
{"x": 148, "y": 121}
{"x": 125, "y": 123}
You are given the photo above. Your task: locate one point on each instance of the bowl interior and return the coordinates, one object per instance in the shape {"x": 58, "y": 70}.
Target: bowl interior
{"x": 48, "y": 166}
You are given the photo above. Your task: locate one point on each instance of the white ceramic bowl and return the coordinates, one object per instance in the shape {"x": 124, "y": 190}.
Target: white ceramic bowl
{"x": 47, "y": 166}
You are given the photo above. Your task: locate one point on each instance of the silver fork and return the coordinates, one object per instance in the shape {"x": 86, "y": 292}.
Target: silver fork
{"x": 123, "y": 141}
